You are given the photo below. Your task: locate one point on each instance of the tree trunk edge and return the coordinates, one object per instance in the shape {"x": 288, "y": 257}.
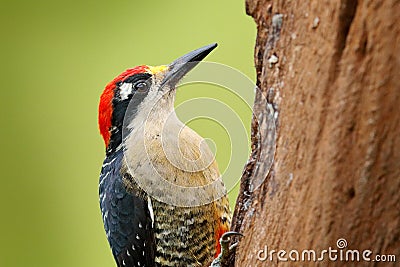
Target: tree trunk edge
{"x": 351, "y": 47}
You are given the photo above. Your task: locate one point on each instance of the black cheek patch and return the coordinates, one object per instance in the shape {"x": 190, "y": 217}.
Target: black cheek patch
{"x": 120, "y": 109}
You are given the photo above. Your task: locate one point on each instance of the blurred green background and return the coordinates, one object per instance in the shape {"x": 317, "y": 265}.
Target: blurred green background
{"x": 56, "y": 59}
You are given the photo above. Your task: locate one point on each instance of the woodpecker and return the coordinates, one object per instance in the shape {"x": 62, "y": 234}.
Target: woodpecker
{"x": 147, "y": 148}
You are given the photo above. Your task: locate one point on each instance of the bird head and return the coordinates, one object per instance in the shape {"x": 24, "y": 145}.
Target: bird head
{"x": 142, "y": 87}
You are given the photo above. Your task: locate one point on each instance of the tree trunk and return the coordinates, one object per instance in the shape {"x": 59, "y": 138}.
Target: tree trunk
{"x": 331, "y": 72}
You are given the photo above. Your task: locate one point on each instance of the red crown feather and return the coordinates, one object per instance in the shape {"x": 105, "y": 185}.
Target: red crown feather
{"x": 105, "y": 105}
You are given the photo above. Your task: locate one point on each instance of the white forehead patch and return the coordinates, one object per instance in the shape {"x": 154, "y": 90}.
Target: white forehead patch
{"x": 125, "y": 90}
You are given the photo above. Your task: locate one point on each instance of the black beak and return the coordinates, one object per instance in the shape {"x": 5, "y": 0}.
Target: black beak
{"x": 184, "y": 64}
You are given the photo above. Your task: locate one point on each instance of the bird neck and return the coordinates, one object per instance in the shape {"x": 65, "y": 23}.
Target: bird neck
{"x": 153, "y": 112}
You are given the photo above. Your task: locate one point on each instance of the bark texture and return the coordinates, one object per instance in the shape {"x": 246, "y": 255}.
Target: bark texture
{"x": 335, "y": 90}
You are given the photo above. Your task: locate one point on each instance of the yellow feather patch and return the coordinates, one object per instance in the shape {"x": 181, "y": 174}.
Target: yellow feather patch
{"x": 157, "y": 69}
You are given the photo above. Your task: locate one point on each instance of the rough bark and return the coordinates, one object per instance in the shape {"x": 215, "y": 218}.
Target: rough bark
{"x": 335, "y": 90}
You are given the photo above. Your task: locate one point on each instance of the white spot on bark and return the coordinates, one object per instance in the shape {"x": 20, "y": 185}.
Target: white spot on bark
{"x": 289, "y": 181}
{"x": 272, "y": 60}
{"x": 277, "y": 21}
{"x": 315, "y": 23}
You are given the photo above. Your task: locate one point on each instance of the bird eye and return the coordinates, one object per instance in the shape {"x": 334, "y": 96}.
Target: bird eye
{"x": 141, "y": 86}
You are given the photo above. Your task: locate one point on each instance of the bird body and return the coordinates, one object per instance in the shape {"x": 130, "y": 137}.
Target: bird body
{"x": 161, "y": 195}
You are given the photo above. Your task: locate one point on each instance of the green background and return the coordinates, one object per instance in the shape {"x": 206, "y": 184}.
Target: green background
{"x": 56, "y": 59}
